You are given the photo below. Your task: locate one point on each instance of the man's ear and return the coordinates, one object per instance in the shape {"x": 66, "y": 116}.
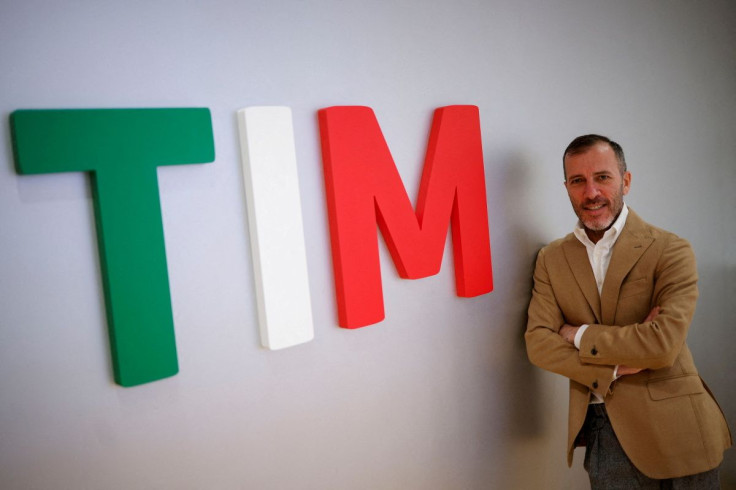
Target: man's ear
{"x": 627, "y": 182}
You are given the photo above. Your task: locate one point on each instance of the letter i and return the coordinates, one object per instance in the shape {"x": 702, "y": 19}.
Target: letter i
{"x": 276, "y": 228}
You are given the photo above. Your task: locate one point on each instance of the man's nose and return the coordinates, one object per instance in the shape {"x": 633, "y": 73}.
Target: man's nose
{"x": 591, "y": 190}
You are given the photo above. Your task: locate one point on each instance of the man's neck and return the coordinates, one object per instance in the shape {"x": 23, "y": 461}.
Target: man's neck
{"x": 596, "y": 235}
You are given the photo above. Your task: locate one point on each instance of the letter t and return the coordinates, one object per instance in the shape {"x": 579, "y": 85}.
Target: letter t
{"x": 122, "y": 149}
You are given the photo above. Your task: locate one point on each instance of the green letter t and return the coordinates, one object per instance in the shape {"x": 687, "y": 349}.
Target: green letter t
{"x": 122, "y": 148}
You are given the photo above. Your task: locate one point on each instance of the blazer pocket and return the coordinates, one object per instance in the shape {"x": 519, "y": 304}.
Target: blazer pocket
{"x": 689, "y": 384}
{"x": 634, "y": 288}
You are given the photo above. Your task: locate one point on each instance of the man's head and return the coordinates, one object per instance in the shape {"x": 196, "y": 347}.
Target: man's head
{"x": 596, "y": 180}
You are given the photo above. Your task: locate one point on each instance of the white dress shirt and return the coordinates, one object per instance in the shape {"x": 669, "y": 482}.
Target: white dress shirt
{"x": 599, "y": 255}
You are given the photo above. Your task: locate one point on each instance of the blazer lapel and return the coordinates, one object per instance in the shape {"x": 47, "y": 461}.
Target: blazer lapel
{"x": 577, "y": 259}
{"x": 629, "y": 247}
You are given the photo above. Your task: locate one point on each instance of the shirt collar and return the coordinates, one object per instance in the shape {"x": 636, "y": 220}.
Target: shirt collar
{"x": 611, "y": 234}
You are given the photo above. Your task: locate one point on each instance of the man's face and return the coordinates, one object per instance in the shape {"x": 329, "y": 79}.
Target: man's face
{"x": 596, "y": 188}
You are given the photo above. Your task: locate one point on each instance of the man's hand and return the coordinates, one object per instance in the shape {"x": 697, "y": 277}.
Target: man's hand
{"x": 568, "y": 332}
{"x": 625, "y": 370}
{"x": 652, "y": 314}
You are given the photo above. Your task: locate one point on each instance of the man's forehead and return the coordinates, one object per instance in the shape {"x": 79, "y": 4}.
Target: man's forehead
{"x": 593, "y": 169}
{"x": 599, "y": 158}
{"x": 599, "y": 149}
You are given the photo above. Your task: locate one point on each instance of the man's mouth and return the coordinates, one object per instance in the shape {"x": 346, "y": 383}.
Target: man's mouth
{"x": 594, "y": 206}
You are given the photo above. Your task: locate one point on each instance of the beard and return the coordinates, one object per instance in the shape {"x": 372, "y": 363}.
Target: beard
{"x": 605, "y": 221}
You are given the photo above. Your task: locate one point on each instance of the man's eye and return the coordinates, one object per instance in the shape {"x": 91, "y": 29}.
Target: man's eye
{"x": 604, "y": 177}
{"x": 575, "y": 181}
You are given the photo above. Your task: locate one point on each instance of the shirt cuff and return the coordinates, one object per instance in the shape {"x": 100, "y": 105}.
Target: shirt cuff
{"x": 579, "y": 335}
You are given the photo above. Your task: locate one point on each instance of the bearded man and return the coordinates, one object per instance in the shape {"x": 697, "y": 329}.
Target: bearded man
{"x": 611, "y": 308}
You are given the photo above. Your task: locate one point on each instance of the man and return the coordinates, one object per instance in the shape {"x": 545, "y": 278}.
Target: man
{"x": 610, "y": 310}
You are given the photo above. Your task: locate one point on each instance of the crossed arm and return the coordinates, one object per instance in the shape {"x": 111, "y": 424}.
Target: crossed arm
{"x": 653, "y": 343}
{"x": 568, "y": 332}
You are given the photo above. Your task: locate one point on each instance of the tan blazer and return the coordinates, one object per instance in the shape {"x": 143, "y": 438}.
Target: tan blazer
{"x": 665, "y": 418}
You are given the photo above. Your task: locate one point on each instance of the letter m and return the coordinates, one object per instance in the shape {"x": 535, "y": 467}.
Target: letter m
{"x": 364, "y": 189}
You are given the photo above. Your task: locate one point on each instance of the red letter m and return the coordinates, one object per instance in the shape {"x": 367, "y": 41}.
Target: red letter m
{"x": 364, "y": 188}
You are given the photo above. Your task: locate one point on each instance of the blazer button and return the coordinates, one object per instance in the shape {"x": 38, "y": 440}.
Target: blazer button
{"x": 595, "y": 385}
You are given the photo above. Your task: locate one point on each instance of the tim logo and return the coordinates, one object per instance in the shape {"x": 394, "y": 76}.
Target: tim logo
{"x": 122, "y": 148}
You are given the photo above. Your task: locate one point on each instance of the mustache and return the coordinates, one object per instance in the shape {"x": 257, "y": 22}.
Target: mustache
{"x": 595, "y": 202}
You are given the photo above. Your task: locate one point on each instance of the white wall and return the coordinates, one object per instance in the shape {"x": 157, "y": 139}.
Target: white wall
{"x": 438, "y": 396}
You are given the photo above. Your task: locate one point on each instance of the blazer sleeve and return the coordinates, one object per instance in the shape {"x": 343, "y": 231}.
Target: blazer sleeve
{"x": 655, "y": 344}
{"x": 546, "y": 348}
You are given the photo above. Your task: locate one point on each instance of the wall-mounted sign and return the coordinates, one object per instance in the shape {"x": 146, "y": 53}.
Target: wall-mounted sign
{"x": 122, "y": 148}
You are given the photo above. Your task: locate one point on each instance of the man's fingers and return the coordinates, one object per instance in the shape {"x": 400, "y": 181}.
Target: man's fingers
{"x": 652, "y": 314}
{"x": 625, "y": 370}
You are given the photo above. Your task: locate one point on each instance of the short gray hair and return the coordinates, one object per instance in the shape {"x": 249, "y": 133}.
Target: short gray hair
{"x": 583, "y": 143}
